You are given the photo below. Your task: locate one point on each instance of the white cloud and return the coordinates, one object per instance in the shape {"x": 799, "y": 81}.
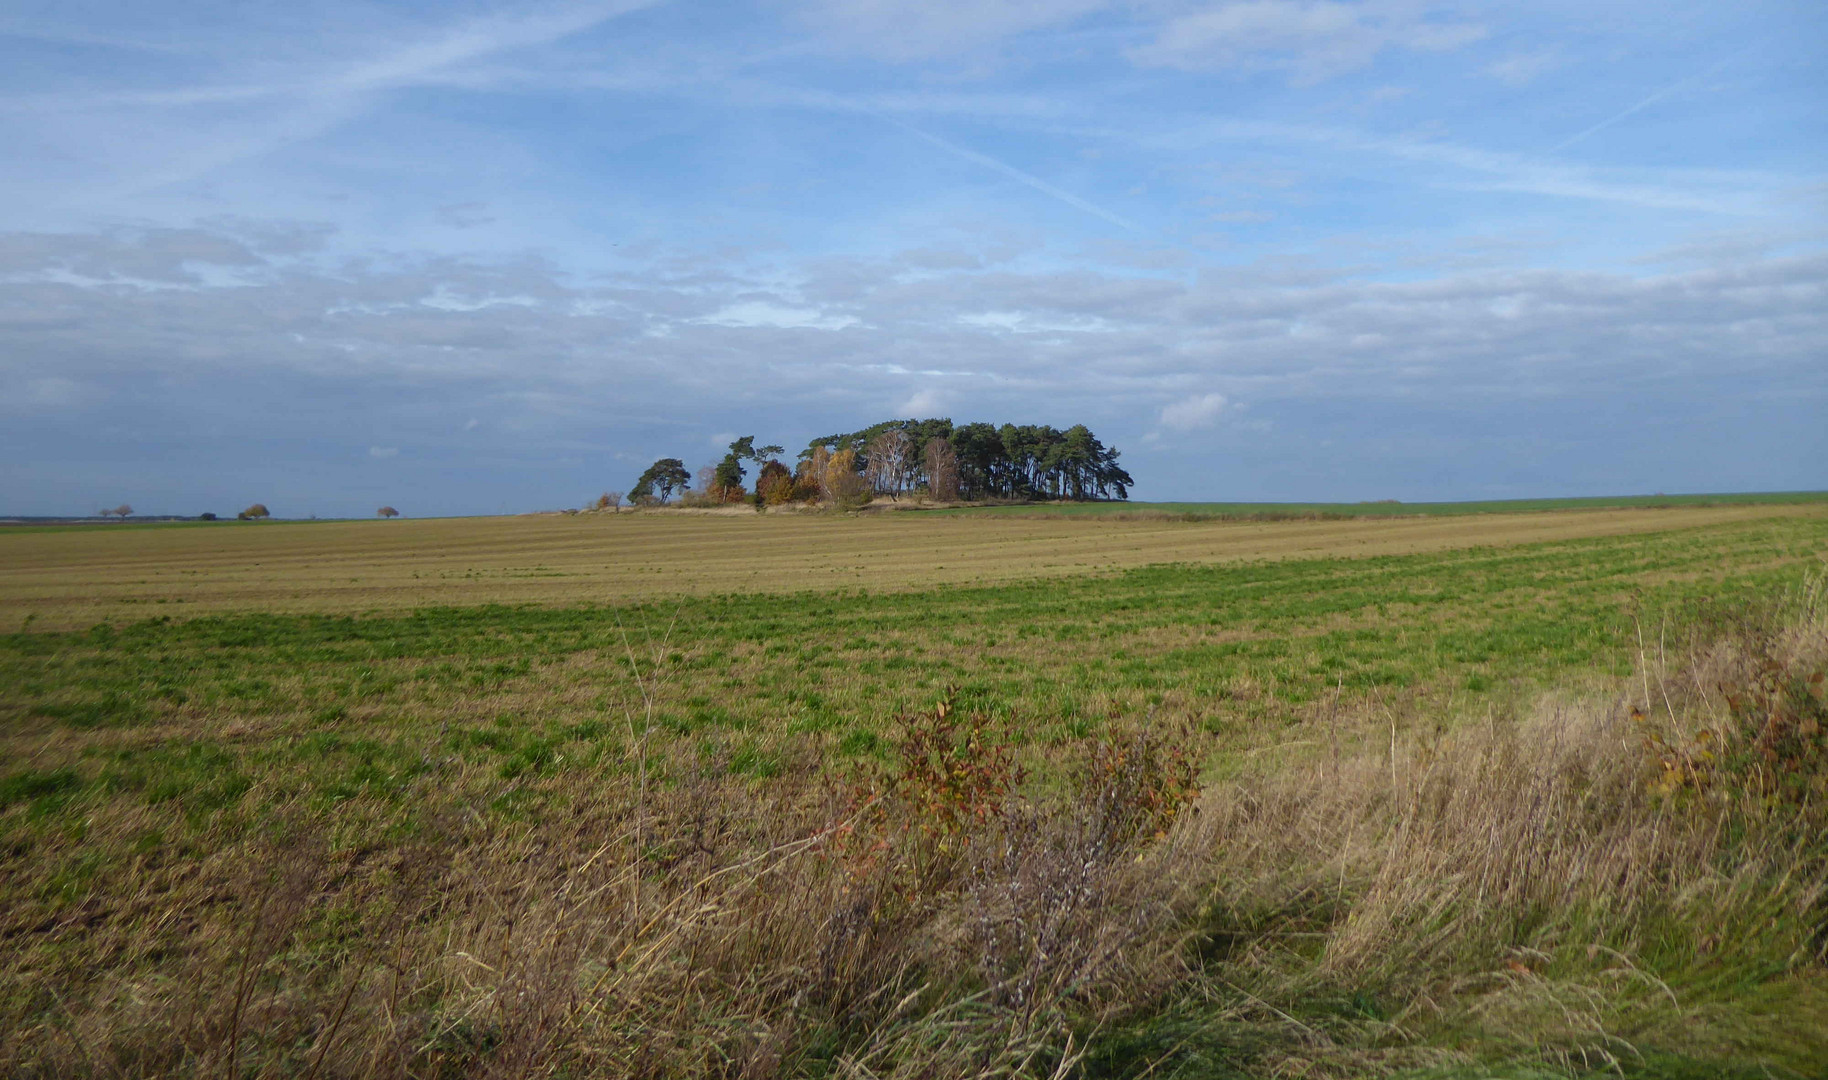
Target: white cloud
{"x": 754, "y": 313}
{"x": 1524, "y": 68}
{"x": 922, "y": 403}
{"x": 925, "y": 29}
{"x": 1020, "y": 322}
{"x": 1313, "y": 41}
{"x": 1194, "y": 412}
{"x": 1107, "y": 345}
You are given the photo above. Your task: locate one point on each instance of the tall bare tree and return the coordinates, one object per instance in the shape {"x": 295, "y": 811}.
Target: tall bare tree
{"x": 942, "y": 470}
{"x": 813, "y": 468}
{"x": 889, "y": 462}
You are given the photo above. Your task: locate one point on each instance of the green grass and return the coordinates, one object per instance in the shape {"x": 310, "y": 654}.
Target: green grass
{"x": 1240, "y": 650}
{"x": 1393, "y": 508}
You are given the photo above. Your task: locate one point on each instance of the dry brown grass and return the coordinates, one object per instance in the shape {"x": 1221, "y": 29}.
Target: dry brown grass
{"x": 703, "y": 928}
{"x": 1569, "y": 887}
{"x": 75, "y": 578}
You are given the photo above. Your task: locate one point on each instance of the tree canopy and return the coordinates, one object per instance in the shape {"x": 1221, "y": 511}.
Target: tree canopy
{"x": 949, "y": 461}
{"x": 1025, "y": 461}
{"x": 661, "y": 479}
{"x": 728, "y": 476}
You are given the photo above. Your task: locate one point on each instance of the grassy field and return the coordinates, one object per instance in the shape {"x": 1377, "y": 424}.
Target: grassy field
{"x": 667, "y": 795}
{"x": 74, "y": 576}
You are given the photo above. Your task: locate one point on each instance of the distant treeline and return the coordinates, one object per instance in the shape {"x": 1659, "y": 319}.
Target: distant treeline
{"x": 1014, "y": 461}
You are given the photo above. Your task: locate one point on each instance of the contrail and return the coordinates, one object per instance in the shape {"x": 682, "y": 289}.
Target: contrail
{"x": 1651, "y": 100}
{"x": 1014, "y": 173}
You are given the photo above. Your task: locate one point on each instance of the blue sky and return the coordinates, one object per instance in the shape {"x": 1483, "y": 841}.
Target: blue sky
{"x": 485, "y": 257}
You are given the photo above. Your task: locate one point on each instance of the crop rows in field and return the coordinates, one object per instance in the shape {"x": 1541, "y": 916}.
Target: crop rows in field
{"x": 75, "y": 579}
{"x": 200, "y": 712}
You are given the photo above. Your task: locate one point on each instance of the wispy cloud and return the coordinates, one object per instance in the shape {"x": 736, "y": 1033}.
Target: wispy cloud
{"x": 904, "y": 30}
{"x": 1016, "y": 174}
{"x": 1311, "y": 40}
{"x": 312, "y": 101}
{"x": 1673, "y": 88}
{"x": 1710, "y": 191}
{"x": 1523, "y": 69}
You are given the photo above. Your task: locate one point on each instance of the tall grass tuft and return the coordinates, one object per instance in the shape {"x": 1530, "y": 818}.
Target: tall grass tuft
{"x": 1573, "y": 888}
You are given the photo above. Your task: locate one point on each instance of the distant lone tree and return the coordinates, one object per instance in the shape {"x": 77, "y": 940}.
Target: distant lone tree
{"x": 387, "y": 512}
{"x": 206, "y": 516}
{"x": 254, "y": 513}
{"x": 661, "y": 479}
{"x": 609, "y": 500}
{"x": 121, "y": 511}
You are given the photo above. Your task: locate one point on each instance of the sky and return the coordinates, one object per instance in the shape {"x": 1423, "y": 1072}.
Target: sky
{"x": 472, "y": 257}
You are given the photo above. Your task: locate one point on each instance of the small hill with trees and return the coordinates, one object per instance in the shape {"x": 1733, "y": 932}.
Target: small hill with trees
{"x": 933, "y": 457}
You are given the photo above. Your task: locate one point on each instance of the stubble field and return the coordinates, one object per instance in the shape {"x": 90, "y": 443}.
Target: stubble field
{"x": 654, "y": 794}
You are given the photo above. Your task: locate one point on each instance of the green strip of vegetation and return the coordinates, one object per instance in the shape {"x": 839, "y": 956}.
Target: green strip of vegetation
{"x": 1393, "y": 508}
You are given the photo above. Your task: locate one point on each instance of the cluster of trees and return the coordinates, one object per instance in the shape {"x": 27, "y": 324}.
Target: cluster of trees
{"x": 123, "y": 511}
{"x": 897, "y": 457}
{"x": 984, "y": 461}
